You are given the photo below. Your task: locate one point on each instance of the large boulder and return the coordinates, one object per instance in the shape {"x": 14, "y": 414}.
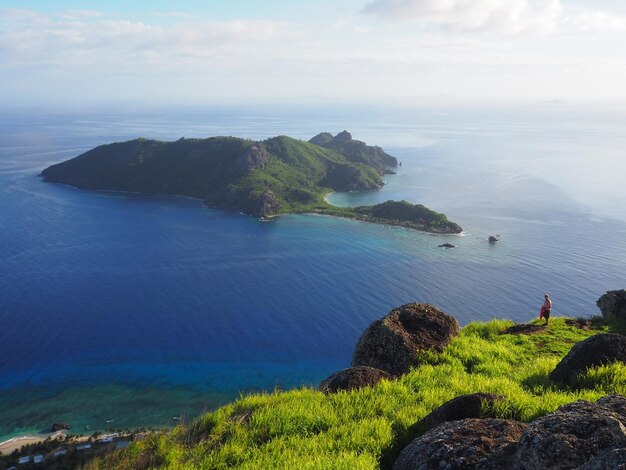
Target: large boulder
{"x": 465, "y": 444}
{"x": 352, "y": 378}
{"x": 475, "y": 405}
{"x": 613, "y": 305}
{"x": 572, "y": 435}
{"x": 596, "y": 350}
{"x": 392, "y": 343}
{"x": 613, "y": 459}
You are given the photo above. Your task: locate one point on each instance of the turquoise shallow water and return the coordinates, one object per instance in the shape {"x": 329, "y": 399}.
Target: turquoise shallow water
{"x": 124, "y": 310}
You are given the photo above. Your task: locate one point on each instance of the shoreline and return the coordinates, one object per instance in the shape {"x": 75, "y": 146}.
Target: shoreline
{"x": 15, "y": 443}
{"x": 267, "y": 218}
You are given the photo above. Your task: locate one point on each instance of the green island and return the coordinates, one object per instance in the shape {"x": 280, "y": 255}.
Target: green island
{"x": 267, "y": 178}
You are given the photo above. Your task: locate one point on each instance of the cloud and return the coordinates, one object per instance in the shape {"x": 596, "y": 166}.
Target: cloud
{"x": 80, "y": 14}
{"x": 509, "y": 17}
{"x": 82, "y": 37}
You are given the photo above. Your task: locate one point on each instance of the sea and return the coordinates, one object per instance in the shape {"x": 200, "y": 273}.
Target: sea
{"x": 123, "y": 310}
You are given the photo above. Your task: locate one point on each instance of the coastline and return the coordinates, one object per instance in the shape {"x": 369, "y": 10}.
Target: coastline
{"x": 15, "y": 443}
{"x": 272, "y": 216}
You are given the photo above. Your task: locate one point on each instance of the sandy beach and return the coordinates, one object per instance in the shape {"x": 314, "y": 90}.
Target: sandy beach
{"x": 7, "y": 447}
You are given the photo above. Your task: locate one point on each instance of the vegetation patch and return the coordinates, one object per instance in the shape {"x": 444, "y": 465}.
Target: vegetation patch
{"x": 366, "y": 428}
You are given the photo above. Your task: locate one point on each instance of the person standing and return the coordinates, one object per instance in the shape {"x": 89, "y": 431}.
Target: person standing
{"x": 546, "y": 308}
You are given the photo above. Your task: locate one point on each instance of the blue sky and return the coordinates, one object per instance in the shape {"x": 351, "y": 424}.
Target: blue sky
{"x": 355, "y": 50}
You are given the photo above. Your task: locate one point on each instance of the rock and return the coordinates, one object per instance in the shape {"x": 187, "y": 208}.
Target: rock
{"x": 392, "y": 343}
{"x": 322, "y": 138}
{"x": 614, "y": 459}
{"x": 254, "y": 157}
{"x": 265, "y": 205}
{"x": 466, "y": 444}
{"x": 343, "y": 136}
{"x": 447, "y": 245}
{"x": 613, "y": 305}
{"x": 59, "y": 427}
{"x": 596, "y": 350}
{"x": 475, "y": 405}
{"x": 618, "y": 431}
{"x": 571, "y": 436}
{"x": 353, "y": 378}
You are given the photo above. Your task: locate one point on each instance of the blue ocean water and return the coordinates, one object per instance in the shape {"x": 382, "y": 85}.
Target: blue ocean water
{"x": 125, "y": 310}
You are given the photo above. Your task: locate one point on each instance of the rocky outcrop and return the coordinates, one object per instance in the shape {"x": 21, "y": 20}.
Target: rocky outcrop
{"x": 355, "y": 150}
{"x": 393, "y": 342}
{"x": 59, "y": 427}
{"x": 613, "y": 459}
{"x": 576, "y": 434}
{"x": 596, "y": 350}
{"x": 353, "y": 378}
{"x": 255, "y": 157}
{"x": 465, "y": 444}
{"x": 265, "y": 205}
{"x": 475, "y": 405}
{"x": 322, "y": 139}
{"x": 343, "y": 136}
{"x": 613, "y": 305}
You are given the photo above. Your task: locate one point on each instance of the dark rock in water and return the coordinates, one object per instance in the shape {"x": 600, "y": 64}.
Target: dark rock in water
{"x": 447, "y": 245}
{"x": 485, "y": 444}
{"x": 613, "y": 305}
{"x": 59, "y": 427}
{"x": 596, "y": 350}
{"x": 266, "y": 204}
{"x": 392, "y": 343}
{"x": 475, "y": 405}
{"x": 571, "y": 436}
{"x": 493, "y": 239}
{"x": 352, "y": 378}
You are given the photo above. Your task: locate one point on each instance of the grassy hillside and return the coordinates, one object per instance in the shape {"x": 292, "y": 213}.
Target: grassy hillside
{"x": 276, "y": 176}
{"x": 365, "y": 429}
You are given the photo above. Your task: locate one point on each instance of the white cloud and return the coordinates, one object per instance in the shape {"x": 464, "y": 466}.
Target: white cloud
{"x": 73, "y": 38}
{"x": 80, "y": 14}
{"x": 594, "y": 20}
{"x": 509, "y": 17}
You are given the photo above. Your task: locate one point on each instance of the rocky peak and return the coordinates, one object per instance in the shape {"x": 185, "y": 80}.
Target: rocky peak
{"x": 254, "y": 157}
{"x": 343, "y": 136}
{"x": 322, "y": 139}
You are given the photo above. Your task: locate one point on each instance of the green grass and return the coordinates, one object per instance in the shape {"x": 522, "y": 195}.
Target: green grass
{"x": 365, "y": 429}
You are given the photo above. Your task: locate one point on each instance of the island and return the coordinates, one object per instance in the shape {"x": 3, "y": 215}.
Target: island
{"x": 266, "y": 178}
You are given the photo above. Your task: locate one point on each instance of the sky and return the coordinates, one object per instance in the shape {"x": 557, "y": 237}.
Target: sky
{"x": 329, "y": 51}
